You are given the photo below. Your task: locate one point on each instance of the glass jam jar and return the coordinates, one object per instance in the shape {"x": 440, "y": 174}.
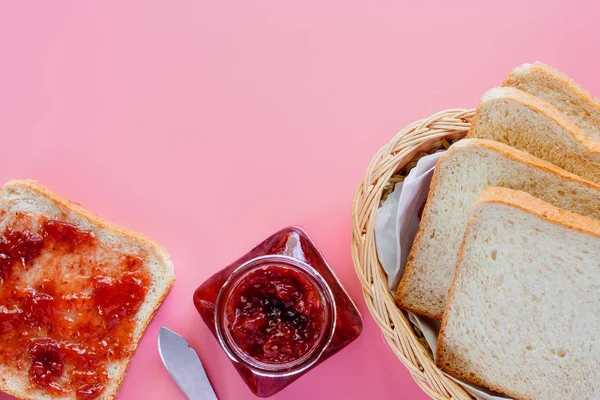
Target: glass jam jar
{"x": 278, "y": 311}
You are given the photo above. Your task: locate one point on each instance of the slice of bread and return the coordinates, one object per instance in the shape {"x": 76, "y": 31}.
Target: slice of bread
{"x": 522, "y": 317}
{"x": 523, "y": 121}
{"x": 562, "y": 92}
{"x": 461, "y": 174}
{"x": 77, "y": 278}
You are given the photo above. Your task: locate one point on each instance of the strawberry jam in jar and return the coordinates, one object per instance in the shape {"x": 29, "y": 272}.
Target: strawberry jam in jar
{"x": 278, "y": 311}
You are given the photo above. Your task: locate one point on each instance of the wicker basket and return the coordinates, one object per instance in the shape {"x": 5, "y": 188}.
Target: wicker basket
{"x": 393, "y": 159}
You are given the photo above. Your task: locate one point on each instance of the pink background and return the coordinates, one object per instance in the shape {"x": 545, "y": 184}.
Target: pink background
{"x": 208, "y": 125}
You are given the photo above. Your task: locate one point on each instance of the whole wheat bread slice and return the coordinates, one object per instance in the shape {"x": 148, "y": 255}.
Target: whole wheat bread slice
{"x": 30, "y": 198}
{"x": 562, "y": 92}
{"x": 461, "y": 174}
{"x": 522, "y": 317}
{"x": 528, "y": 123}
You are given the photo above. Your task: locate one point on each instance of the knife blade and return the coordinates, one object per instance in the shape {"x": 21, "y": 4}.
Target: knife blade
{"x": 184, "y": 365}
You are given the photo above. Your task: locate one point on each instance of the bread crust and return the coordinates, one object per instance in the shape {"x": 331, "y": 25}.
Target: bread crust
{"x": 410, "y": 268}
{"x": 470, "y": 145}
{"x": 556, "y": 75}
{"x": 526, "y": 203}
{"x": 161, "y": 253}
{"x": 541, "y": 107}
{"x": 444, "y": 360}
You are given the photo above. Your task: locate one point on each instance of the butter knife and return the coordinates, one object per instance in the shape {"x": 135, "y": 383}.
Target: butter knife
{"x": 184, "y": 365}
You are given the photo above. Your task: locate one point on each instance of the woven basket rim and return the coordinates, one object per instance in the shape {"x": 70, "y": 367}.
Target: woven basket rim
{"x": 426, "y": 135}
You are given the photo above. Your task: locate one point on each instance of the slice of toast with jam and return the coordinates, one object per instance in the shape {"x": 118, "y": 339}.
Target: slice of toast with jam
{"x": 76, "y": 295}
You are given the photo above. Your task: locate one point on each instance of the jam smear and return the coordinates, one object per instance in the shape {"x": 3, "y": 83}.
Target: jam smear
{"x": 89, "y": 391}
{"x": 276, "y": 315}
{"x": 65, "y": 234}
{"x": 47, "y": 362}
{"x": 67, "y": 304}
{"x": 118, "y": 298}
{"x": 38, "y": 308}
{"x": 16, "y": 246}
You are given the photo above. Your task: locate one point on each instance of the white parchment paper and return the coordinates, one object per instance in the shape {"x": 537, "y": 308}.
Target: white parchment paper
{"x": 396, "y": 225}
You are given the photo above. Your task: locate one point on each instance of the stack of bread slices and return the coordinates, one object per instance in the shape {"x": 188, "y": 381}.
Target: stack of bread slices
{"x": 508, "y": 251}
